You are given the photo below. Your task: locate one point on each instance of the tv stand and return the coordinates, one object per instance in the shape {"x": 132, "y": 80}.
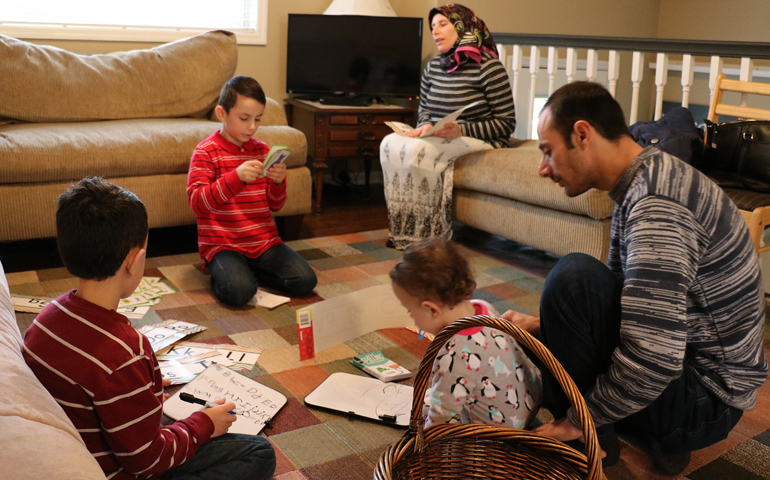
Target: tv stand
{"x": 347, "y": 101}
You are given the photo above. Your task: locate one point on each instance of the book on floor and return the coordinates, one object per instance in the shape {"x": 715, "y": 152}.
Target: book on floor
{"x": 402, "y": 128}
{"x": 255, "y": 403}
{"x": 378, "y": 365}
{"x": 277, "y": 154}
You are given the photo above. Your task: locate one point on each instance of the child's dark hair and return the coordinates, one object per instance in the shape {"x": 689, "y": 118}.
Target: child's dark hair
{"x": 97, "y": 225}
{"x": 240, "y": 85}
{"x": 434, "y": 269}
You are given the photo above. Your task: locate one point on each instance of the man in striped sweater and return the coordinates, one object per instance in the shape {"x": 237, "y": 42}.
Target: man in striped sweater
{"x": 104, "y": 373}
{"x": 233, "y": 198}
{"x": 667, "y": 341}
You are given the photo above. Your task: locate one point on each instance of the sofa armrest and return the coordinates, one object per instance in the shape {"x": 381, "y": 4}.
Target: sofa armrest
{"x": 284, "y": 135}
{"x": 274, "y": 114}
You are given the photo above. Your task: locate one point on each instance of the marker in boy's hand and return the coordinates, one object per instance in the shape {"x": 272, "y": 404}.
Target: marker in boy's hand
{"x": 221, "y": 417}
{"x": 249, "y": 171}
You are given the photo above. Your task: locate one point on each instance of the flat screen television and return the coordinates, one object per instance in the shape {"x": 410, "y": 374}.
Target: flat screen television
{"x": 353, "y": 57}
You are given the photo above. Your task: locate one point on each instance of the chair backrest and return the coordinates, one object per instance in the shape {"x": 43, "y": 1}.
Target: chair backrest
{"x": 723, "y": 84}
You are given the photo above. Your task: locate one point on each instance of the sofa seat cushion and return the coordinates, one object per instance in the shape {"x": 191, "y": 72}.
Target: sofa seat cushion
{"x": 178, "y": 79}
{"x": 39, "y": 153}
{"x": 512, "y": 173}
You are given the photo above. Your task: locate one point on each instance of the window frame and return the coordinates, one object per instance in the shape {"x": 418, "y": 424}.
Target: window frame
{"x": 132, "y": 34}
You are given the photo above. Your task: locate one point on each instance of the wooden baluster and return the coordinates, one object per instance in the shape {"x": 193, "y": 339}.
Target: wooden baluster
{"x": 747, "y": 72}
{"x": 661, "y": 76}
{"x": 553, "y": 60}
{"x": 714, "y": 69}
{"x": 592, "y": 65}
{"x": 688, "y": 75}
{"x": 516, "y": 59}
{"x": 534, "y": 67}
{"x": 613, "y": 71}
{"x": 571, "y": 64}
{"x": 637, "y": 73}
{"x": 502, "y": 53}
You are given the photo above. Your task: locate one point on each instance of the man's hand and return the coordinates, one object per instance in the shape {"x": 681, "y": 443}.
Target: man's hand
{"x": 166, "y": 383}
{"x": 249, "y": 171}
{"x": 451, "y": 131}
{"x": 529, "y": 323}
{"x": 277, "y": 173}
{"x": 419, "y": 130}
{"x": 220, "y": 416}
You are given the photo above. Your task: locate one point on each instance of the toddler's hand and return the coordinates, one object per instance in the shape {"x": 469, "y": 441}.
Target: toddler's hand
{"x": 249, "y": 171}
{"x": 276, "y": 173}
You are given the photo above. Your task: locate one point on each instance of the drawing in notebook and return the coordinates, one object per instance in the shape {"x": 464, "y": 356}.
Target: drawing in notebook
{"x": 256, "y": 403}
{"x": 402, "y": 128}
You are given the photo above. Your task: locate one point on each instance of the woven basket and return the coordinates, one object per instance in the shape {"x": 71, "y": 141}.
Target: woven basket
{"x": 472, "y": 450}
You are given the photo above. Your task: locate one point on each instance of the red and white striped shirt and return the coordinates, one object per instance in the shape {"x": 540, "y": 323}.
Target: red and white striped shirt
{"x": 105, "y": 376}
{"x": 232, "y": 215}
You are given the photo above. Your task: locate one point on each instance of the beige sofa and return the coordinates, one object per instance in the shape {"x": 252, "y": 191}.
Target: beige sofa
{"x": 38, "y": 439}
{"x": 500, "y": 192}
{"x": 133, "y": 118}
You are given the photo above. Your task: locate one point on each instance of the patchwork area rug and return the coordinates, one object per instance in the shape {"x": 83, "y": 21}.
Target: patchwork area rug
{"x": 316, "y": 444}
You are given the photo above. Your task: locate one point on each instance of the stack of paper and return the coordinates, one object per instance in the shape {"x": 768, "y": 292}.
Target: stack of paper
{"x": 268, "y": 300}
{"x": 185, "y": 360}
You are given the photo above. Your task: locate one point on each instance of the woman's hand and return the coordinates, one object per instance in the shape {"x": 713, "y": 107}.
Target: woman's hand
{"x": 530, "y": 323}
{"x": 419, "y": 130}
{"x": 451, "y": 131}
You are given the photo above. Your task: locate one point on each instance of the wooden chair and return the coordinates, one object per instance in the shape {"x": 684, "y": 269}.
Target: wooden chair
{"x": 754, "y": 206}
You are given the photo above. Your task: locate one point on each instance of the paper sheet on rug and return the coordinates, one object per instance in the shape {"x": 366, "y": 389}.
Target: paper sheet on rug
{"x": 235, "y": 357}
{"x": 258, "y": 402}
{"x": 29, "y": 304}
{"x": 268, "y": 300}
{"x": 365, "y": 397}
{"x": 166, "y": 333}
{"x": 402, "y": 128}
{"x": 348, "y": 316}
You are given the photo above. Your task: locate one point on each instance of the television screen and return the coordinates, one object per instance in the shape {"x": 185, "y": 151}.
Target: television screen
{"x": 352, "y": 55}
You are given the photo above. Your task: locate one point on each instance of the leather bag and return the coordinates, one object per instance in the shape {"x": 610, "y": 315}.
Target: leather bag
{"x": 737, "y": 154}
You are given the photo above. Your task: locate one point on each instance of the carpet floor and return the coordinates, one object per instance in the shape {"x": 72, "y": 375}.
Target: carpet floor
{"x": 316, "y": 444}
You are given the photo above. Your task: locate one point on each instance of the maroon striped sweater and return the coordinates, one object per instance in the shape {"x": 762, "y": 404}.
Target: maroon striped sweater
{"x": 105, "y": 376}
{"x": 232, "y": 215}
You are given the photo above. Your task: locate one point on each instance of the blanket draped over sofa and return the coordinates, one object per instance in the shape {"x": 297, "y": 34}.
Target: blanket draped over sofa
{"x": 133, "y": 118}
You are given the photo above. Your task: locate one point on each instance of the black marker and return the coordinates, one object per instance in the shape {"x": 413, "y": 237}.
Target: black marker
{"x": 186, "y": 397}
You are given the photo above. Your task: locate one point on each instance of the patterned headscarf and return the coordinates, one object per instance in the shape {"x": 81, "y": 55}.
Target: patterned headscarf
{"x": 473, "y": 36}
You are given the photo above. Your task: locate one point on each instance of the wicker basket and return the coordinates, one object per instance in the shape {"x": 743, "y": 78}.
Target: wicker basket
{"x": 472, "y": 450}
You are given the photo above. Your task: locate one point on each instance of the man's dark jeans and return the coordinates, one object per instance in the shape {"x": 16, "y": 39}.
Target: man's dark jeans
{"x": 580, "y": 325}
{"x": 235, "y": 277}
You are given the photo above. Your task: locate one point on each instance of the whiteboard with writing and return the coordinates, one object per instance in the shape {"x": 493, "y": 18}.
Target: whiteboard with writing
{"x": 257, "y": 402}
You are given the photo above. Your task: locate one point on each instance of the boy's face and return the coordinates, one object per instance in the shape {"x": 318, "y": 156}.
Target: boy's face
{"x": 242, "y": 121}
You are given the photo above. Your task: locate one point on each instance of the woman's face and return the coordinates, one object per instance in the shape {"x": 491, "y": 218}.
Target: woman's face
{"x": 444, "y": 33}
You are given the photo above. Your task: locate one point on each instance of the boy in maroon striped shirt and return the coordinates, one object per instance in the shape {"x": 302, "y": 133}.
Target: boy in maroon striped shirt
{"x": 233, "y": 199}
{"x": 104, "y": 373}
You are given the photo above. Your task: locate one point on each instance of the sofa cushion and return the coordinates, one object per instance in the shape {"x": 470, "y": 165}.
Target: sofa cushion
{"x": 50, "y": 152}
{"x": 512, "y": 173}
{"x": 178, "y": 79}
{"x": 38, "y": 440}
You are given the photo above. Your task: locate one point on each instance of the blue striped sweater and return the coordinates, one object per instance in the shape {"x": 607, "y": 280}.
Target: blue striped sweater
{"x": 691, "y": 288}
{"x": 493, "y": 120}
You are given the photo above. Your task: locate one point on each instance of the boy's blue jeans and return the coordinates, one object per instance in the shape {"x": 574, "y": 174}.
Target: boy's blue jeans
{"x": 228, "y": 457}
{"x": 580, "y": 325}
{"x": 235, "y": 277}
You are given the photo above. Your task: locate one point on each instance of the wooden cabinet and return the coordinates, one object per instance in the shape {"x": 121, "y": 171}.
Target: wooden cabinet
{"x": 337, "y": 132}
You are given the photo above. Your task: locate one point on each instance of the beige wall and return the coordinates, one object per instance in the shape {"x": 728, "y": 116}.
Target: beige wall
{"x": 732, "y": 20}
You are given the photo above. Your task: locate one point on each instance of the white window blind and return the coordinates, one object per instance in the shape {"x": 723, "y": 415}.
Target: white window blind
{"x": 133, "y": 20}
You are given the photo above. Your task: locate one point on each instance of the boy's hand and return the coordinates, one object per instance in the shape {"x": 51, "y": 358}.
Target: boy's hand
{"x": 419, "y": 130}
{"x": 220, "y": 416}
{"x": 249, "y": 171}
{"x": 277, "y": 173}
{"x": 166, "y": 383}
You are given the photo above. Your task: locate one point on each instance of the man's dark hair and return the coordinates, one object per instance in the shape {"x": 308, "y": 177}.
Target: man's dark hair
{"x": 240, "y": 85}
{"x": 97, "y": 225}
{"x": 590, "y": 102}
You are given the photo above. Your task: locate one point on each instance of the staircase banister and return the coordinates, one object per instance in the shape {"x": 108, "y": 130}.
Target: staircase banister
{"x": 754, "y": 50}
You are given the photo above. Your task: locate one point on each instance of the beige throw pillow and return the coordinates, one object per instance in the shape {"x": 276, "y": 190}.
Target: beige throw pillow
{"x": 179, "y": 79}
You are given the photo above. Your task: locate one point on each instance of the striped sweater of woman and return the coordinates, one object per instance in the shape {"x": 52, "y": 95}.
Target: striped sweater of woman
{"x": 691, "y": 288}
{"x": 105, "y": 376}
{"x": 493, "y": 120}
{"x": 232, "y": 215}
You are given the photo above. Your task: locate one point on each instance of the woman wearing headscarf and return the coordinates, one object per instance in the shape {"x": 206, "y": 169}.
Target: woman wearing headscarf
{"x": 417, "y": 172}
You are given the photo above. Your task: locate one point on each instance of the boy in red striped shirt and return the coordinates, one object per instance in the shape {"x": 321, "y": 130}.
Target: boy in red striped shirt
{"x": 104, "y": 373}
{"x": 233, "y": 199}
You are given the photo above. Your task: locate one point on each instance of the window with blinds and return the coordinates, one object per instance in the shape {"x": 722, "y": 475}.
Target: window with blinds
{"x": 133, "y": 20}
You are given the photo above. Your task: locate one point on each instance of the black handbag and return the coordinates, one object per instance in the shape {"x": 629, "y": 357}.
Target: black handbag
{"x": 737, "y": 154}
